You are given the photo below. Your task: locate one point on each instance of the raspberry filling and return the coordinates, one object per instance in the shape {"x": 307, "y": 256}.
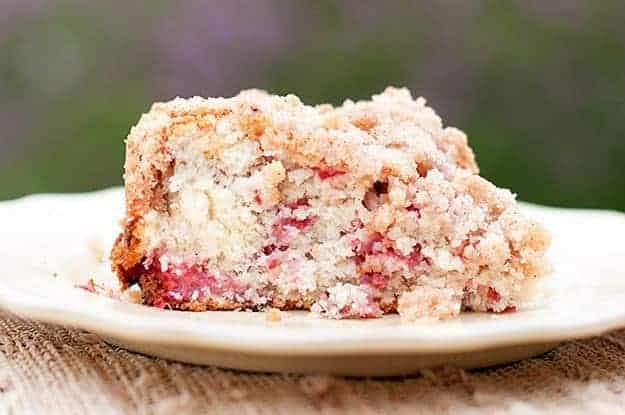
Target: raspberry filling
{"x": 374, "y": 279}
{"x": 185, "y": 281}
{"x": 287, "y": 221}
{"x": 493, "y": 295}
{"x": 376, "y": 244}
{"x": 257, "y": 198}
{"x": 293, "y": 205}
{"x": 300, "y": 224}
{"x": 413, "y": 208}
{"x": 325, "y": 173}
{"x": 274, "y": 257}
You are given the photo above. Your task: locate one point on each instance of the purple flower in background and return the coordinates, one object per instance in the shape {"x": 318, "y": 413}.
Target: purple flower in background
{"x": 565, "y": 11}
{"x": 221, "y": 48}
{"x": 12, "y": 12}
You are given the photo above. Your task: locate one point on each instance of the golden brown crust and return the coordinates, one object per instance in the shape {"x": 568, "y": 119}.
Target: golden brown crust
{"x": 127, "y": 255}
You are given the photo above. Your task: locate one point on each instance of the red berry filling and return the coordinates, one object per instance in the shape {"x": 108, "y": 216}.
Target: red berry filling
{"x": 300, "y": 224}
{"x": 375, "y": 280}
{"x": 274, "y": 256}
{"x": 362, "y": 249}
{"x": 302, "y": 201}
{"x": 257, "y": 198}
{"x": 288, "y": 219}
{"x": 185, "y": 282}
{"x": 413, "y": 260}
{"x": 273, "y": 263}
{"x": 325, "y": 173}
{"x": 413, "y": 208}
{"x": 493, "y": 295}
{"x": 380, "y": 188}
{"x": 376, "y": 244}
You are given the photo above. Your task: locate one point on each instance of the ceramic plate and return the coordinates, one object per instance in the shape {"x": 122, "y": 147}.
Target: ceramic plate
{"x": 49, "y": 244}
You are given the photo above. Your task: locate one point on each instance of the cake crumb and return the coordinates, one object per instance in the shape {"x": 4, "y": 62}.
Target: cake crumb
{"x": 339, "y": 210}
{"x": 273, "y": 315}
{"x": 428, "y": 302}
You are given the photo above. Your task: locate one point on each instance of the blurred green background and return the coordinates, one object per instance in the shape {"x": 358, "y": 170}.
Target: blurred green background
{"x": 539, "y": 86}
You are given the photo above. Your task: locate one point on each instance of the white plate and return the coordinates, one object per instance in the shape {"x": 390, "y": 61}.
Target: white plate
{"x": 50, "y": 243}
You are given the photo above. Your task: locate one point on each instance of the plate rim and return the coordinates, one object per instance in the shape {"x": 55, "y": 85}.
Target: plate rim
{"x": 53, "y": 314}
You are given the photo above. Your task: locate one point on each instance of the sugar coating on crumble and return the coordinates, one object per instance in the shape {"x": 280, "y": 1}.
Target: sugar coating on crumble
{"x": 260, "y": 201}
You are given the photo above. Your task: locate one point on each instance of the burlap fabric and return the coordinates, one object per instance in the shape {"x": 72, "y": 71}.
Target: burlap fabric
{"x": 46, "y": 369}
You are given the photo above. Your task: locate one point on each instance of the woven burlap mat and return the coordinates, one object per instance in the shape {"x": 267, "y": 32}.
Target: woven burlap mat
{"x": 47, "y": 369}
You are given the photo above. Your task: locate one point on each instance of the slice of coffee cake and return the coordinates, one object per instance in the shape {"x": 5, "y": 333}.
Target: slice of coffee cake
{"x": 260, "y": 201}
